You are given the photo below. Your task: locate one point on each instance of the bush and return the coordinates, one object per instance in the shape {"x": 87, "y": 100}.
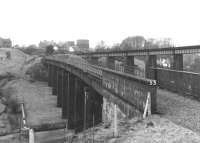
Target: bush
{"x": 28, "y": 51}
{"x": 49, "y": 50}
{"x": 12, "y": 106}
{"x": 38, "y": 72}
{"x": 9, "y": 100}
{"x": 8, "y": 55}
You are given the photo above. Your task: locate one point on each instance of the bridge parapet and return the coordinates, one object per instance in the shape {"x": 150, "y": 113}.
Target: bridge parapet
{"x": 183, "y": 82}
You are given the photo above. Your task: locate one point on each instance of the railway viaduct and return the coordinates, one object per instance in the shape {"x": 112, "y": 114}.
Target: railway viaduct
{"x": 89, "y": 93}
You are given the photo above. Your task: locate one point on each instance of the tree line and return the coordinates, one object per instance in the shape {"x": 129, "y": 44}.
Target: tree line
{"x": 135, "y": 42}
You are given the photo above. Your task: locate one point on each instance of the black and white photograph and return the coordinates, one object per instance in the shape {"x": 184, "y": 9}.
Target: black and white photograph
{"x": 99, "y": 71}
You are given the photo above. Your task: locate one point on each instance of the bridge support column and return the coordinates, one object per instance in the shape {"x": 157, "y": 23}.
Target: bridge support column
{"x": 85, "y": 108}
{"x": 110, "y": 63}
{"x": 59, "y": 87}
{"x": 65, "y": 94}
{"x": 128, "y": 64}
{"x": 177, "y": 62}
{"x": 76, "y": 93}
{"x": 96, "y": 107}
{"x": 150, "y": 63}
{"x": 49, "y": 74}
{"x": 71, "y": 101}
{"x": 92, "y": 108}
{"x": 54, "y": 84}
{"x": 79, "y": 105}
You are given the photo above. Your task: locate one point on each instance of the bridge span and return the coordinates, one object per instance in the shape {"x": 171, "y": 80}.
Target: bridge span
{"x": 87, "y": 93}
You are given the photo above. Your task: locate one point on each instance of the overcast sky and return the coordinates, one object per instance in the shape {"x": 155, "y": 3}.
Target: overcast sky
{"x": 30, "y": 21}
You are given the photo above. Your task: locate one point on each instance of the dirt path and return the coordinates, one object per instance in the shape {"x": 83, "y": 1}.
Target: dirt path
{"x": 179, "y": 109}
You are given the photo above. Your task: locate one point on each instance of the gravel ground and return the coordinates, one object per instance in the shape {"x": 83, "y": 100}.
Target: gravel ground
{"x": 179, "y": 109}
{"x": 154, "y": 129}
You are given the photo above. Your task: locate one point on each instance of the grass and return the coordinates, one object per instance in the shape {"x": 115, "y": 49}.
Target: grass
{"x": 12, "y": 106}
{"x": 38, "y": 72}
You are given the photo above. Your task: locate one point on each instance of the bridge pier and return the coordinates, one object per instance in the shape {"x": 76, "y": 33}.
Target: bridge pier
{"x": 54, "y": 78}
{"x": 59, "y": 87}
{"x": 150, "y": 63}
{"x": 177, "y": 62}
{"x": 65, "y": 94}
{"x": 49, "y": 74}
{"x": 71, "y": 101}
{"x": 86, "y": 94}
{"x": 110, "y": 62}
{"x": 130, "y": 61}
{"x": 96, "y": 107}
{"x": 79, "y": 110}
{"x": 129, "y": 64}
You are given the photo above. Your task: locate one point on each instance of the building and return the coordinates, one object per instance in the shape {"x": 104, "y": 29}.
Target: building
{"x": 82, "y": 44}
{"x": 70, "y": 43}
{"x": 5, "y": 43}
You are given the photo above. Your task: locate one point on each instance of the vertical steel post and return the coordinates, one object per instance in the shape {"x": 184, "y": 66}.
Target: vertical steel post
{"x": 115, "y": 121}
{"x": 85, "y": 109}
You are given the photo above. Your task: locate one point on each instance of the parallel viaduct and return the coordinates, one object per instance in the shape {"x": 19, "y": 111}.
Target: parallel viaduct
{"x": 86, "y": 91}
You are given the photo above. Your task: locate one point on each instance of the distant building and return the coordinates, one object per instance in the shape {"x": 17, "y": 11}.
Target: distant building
{"x": 70, "y": 43}
{"x": 64, "y": 46}
{"x": 5, "y": 43}
{"x": 82, "y": 44}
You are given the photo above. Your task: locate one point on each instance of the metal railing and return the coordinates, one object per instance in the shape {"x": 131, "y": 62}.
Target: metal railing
{"x": 24, "y": 129}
